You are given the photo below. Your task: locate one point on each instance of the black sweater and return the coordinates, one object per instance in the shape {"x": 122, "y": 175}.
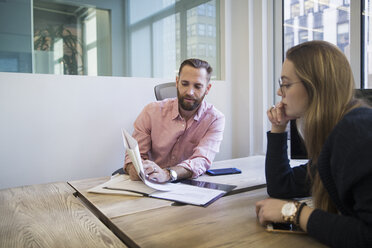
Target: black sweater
{"x": 345, "y": 168}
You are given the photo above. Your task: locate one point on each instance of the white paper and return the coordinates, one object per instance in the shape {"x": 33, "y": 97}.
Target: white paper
{"x": 133, "y": 152}
{"x": 102, "y": 188}
{"x": 189, "y": 194}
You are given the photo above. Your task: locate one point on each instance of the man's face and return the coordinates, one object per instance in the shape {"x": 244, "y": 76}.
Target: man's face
{"x": 192, "y": 86}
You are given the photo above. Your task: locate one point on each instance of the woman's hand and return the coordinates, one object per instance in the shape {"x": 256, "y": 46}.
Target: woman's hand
{"x": 269, "y": 210}
{"x": 278, "y": 118}
{"x": 154, "y": 173}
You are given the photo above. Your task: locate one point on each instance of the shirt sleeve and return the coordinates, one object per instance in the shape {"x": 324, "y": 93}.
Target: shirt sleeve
{"x": 282, "y": 180}
{"x": 142, "y": 133}
{"x": 204, "y": 153}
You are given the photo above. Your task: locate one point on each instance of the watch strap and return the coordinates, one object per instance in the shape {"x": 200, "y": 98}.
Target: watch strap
{"x": 298, "y": 212}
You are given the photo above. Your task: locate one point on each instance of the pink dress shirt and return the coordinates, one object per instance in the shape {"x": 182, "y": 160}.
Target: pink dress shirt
{"x": 164, "y": 136}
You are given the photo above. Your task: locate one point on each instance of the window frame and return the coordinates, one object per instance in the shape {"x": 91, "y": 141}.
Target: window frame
{"x": 180, "y": 7}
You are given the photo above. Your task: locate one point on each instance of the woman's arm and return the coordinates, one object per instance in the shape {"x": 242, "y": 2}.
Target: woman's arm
{"x": 282, "y": 180}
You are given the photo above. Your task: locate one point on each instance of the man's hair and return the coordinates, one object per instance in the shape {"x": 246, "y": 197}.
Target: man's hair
{"x": 198, "y": 64}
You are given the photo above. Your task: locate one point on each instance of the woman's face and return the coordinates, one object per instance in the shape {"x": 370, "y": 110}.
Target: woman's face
{"x": 294, "y": 95}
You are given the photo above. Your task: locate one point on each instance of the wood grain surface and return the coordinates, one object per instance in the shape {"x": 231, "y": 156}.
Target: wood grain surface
{"x": 113, "y": 206}
{"x": 49, "y": 215}
{"x": 229, "y": 222}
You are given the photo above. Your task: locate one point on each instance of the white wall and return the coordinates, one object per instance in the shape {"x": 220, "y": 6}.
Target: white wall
{"x": 249, "y": 69}
{"x": 60, "y": 128}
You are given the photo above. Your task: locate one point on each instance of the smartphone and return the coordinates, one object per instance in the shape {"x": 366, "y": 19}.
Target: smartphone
{"x": 224, "y": 171}
{"x": 284, "y": 228}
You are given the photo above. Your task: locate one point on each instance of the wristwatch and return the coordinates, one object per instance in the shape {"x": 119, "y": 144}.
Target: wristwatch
{"x": 289, "y": 211}
{"x": 172, "y": 174}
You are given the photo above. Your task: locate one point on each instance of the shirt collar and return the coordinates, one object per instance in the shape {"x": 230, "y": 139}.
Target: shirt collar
{"x": 176, "y": 114}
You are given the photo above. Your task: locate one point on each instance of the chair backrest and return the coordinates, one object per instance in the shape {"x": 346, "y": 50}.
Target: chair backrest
{"x": 166, "y": 90}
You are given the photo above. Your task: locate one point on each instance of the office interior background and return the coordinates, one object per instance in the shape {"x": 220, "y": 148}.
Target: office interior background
{"x": 73, "y": 73}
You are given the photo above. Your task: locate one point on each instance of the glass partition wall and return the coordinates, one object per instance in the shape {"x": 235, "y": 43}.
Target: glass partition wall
{"x": 142, "y": 38}
{"x": 67, "y": 39}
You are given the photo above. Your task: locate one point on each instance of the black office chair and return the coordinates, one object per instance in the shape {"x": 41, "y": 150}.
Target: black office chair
{"x": 166, "y": 90}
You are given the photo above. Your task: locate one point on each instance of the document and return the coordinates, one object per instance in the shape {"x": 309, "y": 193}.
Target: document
{"x": 178, "y": 192}
{"x": 133, "y": 152}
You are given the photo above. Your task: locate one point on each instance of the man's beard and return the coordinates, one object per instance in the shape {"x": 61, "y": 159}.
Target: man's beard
{"x": 187, "y": 106}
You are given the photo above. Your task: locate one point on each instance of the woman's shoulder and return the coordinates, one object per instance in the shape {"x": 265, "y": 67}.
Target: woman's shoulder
{"x": 352, "y": 133}
{"x": 357, "y": 122}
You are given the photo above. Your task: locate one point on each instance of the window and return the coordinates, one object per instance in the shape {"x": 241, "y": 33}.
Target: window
{"x": 172, "y": 31}
{"x": 323, "y": 4}
{"x": 333, "y": 21}
{"x": 65, "y": 39}
{"x": 302, "y": 36}
{"x": 201, "y": 29}
{"x": 310, "y": 26}
{"x": 367, "y": 44}
{"x": 144, "y": 38}
{"x": 343, "y": 36}
{"x": 295, "y": 10}
{"x": 309, "y": 6}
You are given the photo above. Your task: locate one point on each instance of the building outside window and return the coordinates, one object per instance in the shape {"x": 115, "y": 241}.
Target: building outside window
{"x": 317, "y": 20}
{"x": 156, "y": 51}
{"x": 329, "y": 20}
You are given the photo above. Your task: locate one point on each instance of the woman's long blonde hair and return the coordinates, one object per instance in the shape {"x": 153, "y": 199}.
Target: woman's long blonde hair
{"x": 328, "y": 79}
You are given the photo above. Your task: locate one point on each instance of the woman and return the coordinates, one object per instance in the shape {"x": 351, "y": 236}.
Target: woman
{"x": 316, "y": 87}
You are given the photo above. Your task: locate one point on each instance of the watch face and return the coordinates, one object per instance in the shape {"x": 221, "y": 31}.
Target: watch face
{"x": 173, "y": 174}
{"x": 289, "y": 209}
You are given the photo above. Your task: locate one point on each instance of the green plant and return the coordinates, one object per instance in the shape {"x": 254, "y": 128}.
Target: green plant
{"x": 44, "y": 39}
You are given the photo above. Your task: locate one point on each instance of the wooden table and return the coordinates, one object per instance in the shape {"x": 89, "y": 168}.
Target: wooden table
{"x": 228, "y": 222}
{"x": 49, "y": 215}
{"x": 252, "y": 177}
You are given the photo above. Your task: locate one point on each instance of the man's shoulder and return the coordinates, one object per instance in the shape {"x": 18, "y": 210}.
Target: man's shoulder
{"x": 166, "y": 104}
{"x": 210, "y": 109}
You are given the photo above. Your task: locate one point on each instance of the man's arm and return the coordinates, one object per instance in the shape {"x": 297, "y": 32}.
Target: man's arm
{"x": 204, "y": 153}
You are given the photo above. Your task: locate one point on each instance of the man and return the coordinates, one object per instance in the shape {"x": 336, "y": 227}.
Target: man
{"x": 179, "y": 137}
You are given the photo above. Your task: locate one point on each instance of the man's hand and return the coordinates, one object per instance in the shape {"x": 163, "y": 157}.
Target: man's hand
{"x": 132, "y": 172}
{"x": 154, "y": 173}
